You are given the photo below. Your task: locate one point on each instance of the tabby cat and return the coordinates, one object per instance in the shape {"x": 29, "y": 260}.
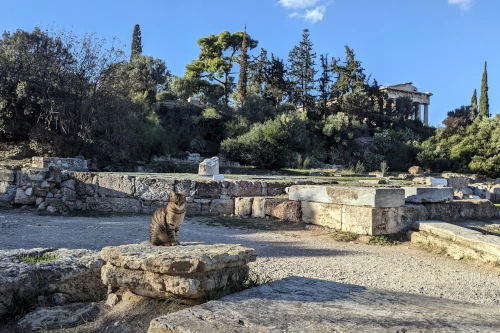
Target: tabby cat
{"x": 164, "y": 227}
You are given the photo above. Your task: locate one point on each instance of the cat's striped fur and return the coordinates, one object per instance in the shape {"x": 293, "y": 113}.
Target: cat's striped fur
{"x": 166, "y": 221}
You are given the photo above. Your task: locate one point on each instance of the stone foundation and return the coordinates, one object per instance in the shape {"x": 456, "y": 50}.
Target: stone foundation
{"x": 188, "y": 271}
{"x": 71, "y": 164}
{"x": 75, "y": 273}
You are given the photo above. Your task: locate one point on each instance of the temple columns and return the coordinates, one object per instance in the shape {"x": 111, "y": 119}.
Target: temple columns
{"x": 426, "y": 114}
{"x": 417, "y": 111}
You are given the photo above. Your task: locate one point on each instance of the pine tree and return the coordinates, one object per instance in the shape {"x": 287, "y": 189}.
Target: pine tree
{"x": 301, "y": 71}
{"x": 136, "y": 42}
{"x": 473, "y": 107}
{"x": 242, "y": 80}
{"x": 484, "y": 105}
{"x": 324, "y": 83}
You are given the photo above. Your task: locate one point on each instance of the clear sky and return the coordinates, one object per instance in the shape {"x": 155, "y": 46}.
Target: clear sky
{"x": 439, "y": 45}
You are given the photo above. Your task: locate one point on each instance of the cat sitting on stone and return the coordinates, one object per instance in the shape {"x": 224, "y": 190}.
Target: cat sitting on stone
{"x": 165, "y": 223}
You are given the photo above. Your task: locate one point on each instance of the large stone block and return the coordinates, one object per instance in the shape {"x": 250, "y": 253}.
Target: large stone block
{"x": 153, "y": 189}
{"x": 116, "y": 185}
{"x": 258, "y": 207}
{"x": 410, "y": 213}
{"x": 75, "y": 273}
{"x": 348, "y": 195}
{"x": 276, "y": 188}
{"x": 299, "y": 304}
{"x": 209, "y": 167}
{"x": 7, "y": 198}
{"x": 371, "y": 220}
{"x": 243, "y": 206}
{"x": 472, "y": 209}
{"x": 121, "y": 205}
{"x": 431, "y": 181}
{"x": 85, "y": 183}
{"x": 428, "y": 194}
{"x": 283, "y": 209}
{"x": 208, "y": 189}
{"x": 458, "y": 183}
{"x": 326, "y": 215}
{"x": 187, "y": 271}
{"x": 221, "y": 207}
{"x": 30, "y": 175}
{"x": 244, "y": 188}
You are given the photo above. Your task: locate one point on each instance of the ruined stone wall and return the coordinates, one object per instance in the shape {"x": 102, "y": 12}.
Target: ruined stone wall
{"x": 127, "y": 193}
{"x": 72, "y": 164}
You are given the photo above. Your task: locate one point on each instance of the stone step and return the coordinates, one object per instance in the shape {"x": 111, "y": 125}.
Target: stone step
{"x": 428, "y": 194}
{"x": 460, "y": 236}
{"x": 299, "y": 304}
{"x": 349, "y": 195}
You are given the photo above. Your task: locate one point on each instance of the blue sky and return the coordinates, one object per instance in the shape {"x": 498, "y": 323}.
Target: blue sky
{"x": 439, "y": 45}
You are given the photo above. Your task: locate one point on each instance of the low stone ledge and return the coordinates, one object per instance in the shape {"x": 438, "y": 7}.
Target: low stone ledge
{"x": 298, "y": 304}
{"x": 187, "y": 271}
{"x": 428, "y": 194}
{"x": 457, "y": 209}
{"x": 76, "y": 273}
{"x": 349, "y": 195}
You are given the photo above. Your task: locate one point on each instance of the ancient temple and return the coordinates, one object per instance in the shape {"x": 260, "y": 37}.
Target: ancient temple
{"x": 409, "y": 90}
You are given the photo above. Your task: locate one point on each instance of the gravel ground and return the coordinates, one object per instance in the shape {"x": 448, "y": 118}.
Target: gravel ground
{"x": 284, "y": 250}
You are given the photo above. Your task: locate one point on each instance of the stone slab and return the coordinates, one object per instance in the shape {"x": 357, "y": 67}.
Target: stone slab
{"x": 75, "y": 273}
{"x": 298, "y": 304}
{"x": 431, "y": 181}
{"x": 348, "y": 195}
{"x": 428, "y": 194}
{"x": 58, "y": 317}
{"x": 258, "y": 207}
{"x": 177, "y": 260}
{"x": 457, "y": 209}
{"x": 153, "y": 189}
{"x": 283, "y": 209}
{"x": 471, "y": 238}
{"x": 458, "y": 183}
{"x": 121, "y": 205}
{"x": 326, "y": 215}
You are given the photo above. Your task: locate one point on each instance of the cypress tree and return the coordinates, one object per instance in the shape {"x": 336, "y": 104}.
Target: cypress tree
{"x": 484, "y": 105}
{"x": 242, "y": 80}
{"x": 473, "y": 106}
{"x": 136, "y": 42}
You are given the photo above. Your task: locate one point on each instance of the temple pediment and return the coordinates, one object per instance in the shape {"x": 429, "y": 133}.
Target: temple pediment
{"x": 407, "y": 86}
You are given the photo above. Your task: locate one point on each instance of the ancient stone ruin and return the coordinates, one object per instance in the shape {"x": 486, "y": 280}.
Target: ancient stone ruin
{"x": 187, "y": 272}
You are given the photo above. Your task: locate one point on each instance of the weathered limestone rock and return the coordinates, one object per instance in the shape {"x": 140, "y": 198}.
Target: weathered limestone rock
{"x": 122, "y": 205}
{"x": 243, "y": 206}
{"x": 458, "y": 183}
{"x": 326, "y": 215}
{"x": 116, "y": 185}
{"x": 208, "y": 189}
{"x": 30, "y": 175}
{"x": 258, "y": 207}
{"x": 187, "y": 271}
{"x": 153, "y": 189}
{"x": 283, "y": 209}
{"x": 209, "y": 167}
{"x": 276, "y": 188}
{"x": 244, "y": 188}
{"x": 298, "y": 304}
{"x": 85, "y": 183}
{"x": 221, "y": 207}
{"x": 8, "y": 195}
{"x": 473, "y": 209}
{"x": 416, "y": 170}
{"x": 463, "y": 194}
{"x": 58, "y": 317}
{"x": 22, "y": 198}
{"x": 75, "y": 273}
{"x": 410, "y": 213}
{"x": 428, "y": 194}
{"x": 348, "y": 195}
{"x": 482, "y": 191}
{"x": 371, "y": 220}
{"x": 431, "y": 181}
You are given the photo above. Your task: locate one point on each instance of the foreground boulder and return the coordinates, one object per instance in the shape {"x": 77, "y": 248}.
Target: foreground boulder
{"x": 298, "y": 304}
{"x": 187, "y": 271}
{"x": 24, "y": 275}
{"x": 58, "y": 316}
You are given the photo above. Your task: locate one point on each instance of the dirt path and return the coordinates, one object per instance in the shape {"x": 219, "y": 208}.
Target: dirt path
{"x": 284, "y": 250}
